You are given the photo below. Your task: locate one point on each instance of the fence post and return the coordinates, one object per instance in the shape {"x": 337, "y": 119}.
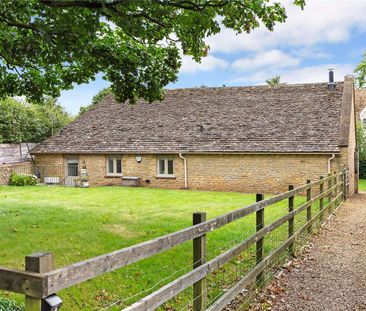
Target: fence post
{"x": 199, "y": 258}
{"x": 40, "y": 263}
{"x": 308, "y": 210}
{"x": 321, "y": 200}
{"x": 344, "y": 188}
{"x": 330, "y": 193}
{"x": 259, "y": 244}
{"x": 336, "y": 189}
{"x": 291, "y": 220}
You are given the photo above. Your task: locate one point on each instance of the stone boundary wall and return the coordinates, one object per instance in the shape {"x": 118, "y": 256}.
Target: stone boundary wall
{"x": 360, "y": 101}
{"x": 7, "y": 169}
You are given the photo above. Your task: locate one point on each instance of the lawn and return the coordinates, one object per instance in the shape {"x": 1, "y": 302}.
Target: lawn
{"x": 362, "y": 185}
{"x": 77, "y": 224}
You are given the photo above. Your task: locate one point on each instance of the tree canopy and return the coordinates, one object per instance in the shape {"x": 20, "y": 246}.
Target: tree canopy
{"x": 361, "y": 141}
{"x": 23, "y": 122}
{"x": 96, "y": 99}
{"x": 361, "y": 71}
{"x": 49, "y": 45}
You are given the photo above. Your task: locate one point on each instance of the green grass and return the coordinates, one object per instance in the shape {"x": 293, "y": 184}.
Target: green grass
{"x": 362, "y": 185}
{"x": 77, "y": 224}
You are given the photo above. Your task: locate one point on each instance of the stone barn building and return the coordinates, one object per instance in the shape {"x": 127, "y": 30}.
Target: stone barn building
{"x": 249, "y": 139}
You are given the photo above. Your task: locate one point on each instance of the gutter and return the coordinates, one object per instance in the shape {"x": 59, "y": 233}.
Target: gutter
{"x": 329, "y": 160}
{"x": 185, "y": 171}
{"x": 195, "y": 152}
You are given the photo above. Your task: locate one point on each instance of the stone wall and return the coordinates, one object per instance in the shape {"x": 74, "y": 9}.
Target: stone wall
{"x": 360, "y": 101}
{"x": 348, "y": 156}
{"x": 7, "y": 169}
{"x": 255, "y": 173}
{"x": 146, "y": 170}
{"x": 49, "y": 166}
{"x": 268, "y": 173}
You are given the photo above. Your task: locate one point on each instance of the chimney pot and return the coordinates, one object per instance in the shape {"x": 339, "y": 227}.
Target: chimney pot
{"x": 331, "y": 83}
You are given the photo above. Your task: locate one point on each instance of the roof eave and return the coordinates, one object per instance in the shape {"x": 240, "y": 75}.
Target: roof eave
{"x": 186, "y": 152}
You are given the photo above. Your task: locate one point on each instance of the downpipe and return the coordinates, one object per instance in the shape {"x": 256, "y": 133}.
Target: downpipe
{"x": 329, "y": 160}
{"x": 185, "y": 171}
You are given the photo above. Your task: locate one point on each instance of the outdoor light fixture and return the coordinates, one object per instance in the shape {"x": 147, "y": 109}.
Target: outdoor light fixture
{"x": 138, "y": 158}
{"x": 51, "y": 303}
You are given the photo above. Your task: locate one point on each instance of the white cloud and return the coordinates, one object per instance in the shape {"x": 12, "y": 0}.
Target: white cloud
{"x": 208, "y": 63}
{"x": 311, "y": 53}
{"x": 274, "y": 58}
{"x": 318, "y": 73}
{"x": 321, "y": 22}
{"x": 310, "y": 74}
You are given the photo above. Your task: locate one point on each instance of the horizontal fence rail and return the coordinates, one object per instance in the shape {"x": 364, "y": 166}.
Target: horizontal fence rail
{"x": 42, "y": 285}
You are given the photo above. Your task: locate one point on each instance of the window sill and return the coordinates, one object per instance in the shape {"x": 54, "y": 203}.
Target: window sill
{"x": 113, "y": 176}
{"x": 166, "y": 177}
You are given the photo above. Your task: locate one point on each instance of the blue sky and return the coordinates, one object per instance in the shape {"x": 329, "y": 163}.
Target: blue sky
{"x": 327, "y": 34}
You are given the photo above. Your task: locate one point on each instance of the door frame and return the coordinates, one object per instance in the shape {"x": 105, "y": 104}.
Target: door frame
{"x": 70, "y": 180}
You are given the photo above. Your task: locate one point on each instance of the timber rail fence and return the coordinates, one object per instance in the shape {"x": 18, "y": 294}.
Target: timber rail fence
{"x": 40, "y": 280}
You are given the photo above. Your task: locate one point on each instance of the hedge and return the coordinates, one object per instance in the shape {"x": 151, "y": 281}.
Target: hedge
{"x": 362, "y": 169}
{"x": 22, "y": 180}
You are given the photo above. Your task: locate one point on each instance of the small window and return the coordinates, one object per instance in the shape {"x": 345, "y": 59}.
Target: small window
{"x": 114, "y": 166}
{"x": 165, "y": 167}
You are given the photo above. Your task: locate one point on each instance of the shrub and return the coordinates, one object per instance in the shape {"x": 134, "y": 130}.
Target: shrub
{"x": 362, "y": 169}
{"x": 22, "y": 180}
{"x": 9, "y": 305}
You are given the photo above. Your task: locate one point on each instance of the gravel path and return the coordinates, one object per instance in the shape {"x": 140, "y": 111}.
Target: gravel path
{"x": 331, "y": 275}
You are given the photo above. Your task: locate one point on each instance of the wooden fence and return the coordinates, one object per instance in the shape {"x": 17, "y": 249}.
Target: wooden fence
{"x": 40, "y": 280}
{"x": 17, "y": 152}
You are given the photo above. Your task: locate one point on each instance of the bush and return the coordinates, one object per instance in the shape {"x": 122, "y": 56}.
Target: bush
{"x": 9, "y": 305}
{"x": 362, "y": 169}
{"x": 22, "y": 180}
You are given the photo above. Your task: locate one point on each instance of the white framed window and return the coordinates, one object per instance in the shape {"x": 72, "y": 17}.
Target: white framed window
{"x": 114, "y": 165}
{"x": 165, "y": 166}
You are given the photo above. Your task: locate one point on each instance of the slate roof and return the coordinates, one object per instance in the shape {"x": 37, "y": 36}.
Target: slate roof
{"x": 255, "y": 119}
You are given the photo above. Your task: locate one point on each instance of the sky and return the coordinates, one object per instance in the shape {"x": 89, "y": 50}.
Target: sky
{"x": 326, "y": 34}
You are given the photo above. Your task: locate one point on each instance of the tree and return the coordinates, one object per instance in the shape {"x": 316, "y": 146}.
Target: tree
{"x": 13, "y": 121}
{"x": 23, "y": 122}
{"x": 49, "y": 45}
{"x": 361, "y": 72}
{"x": 361, "y": 141}
{"x": 52, "y": 115}
{"x": 96, "y": 99}
{"x": 361, "y": 145}
{"x": 274, "y": 81}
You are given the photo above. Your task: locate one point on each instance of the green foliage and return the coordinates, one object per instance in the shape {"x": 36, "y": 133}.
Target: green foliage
{"x": 361, "y": 141}
{"x": 362, "y": 169}
{"x": 22, "y": 180}
{"x": 101, "y": 95}
{"x": 49, "y": 45}
{"x": 9, "y": 305}
{"x": 362, "y": 185}
{"x": 96, "y": 99}
{"x": 361, "y": 144}
{"x": 22, "y": 122}
{"x": 361, "y": 72}
{"x": 274, "y": 81}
